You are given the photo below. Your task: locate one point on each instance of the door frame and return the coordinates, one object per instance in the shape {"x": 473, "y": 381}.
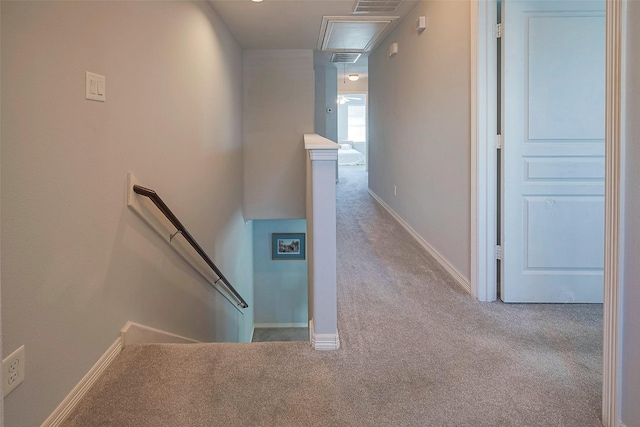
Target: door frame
{"x": 484, "y": 187}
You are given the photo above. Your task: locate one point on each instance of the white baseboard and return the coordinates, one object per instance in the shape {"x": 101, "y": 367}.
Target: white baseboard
{"x": 135, "y": 333}
{"x": 80, "y": 390}
{"x": 462, "y": 281}
{"x": 131, "y": 333}
{"x": 280, "y": 325}
{"x": 323, "y": 341}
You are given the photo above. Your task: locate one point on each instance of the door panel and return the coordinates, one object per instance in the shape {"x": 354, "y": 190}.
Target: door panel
{"x": 553, "y": 132}
{"x": 566, "y": 57}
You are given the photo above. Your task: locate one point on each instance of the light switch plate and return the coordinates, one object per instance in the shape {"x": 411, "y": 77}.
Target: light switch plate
{"x": 95, "y": 87}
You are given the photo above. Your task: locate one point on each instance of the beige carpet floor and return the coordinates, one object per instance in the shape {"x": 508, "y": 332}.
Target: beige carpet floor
{"x": 416, "y": 351}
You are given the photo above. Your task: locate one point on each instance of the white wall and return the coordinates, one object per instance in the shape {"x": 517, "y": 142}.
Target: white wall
{"x": 278, "y": 110}
{"x": 76, "y": 262}
{"x": 280, "y": 286}
{"x": 631, "y": 331}
{"x": 419, "y": 127}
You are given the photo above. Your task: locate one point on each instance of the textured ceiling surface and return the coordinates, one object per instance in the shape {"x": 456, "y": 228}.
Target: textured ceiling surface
{"x": 284, "y": 24}
{"x": 292, "y": 24}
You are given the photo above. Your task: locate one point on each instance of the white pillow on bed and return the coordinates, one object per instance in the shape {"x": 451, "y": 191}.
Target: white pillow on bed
{"x": 345, "y": 146}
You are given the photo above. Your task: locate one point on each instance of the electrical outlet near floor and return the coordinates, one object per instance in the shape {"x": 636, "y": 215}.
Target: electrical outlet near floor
{"x": 395, "y": 191}
{"x": 13, "y": 367}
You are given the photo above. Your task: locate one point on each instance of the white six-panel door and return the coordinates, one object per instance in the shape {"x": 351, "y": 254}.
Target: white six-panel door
{"x": 553, "y": 154}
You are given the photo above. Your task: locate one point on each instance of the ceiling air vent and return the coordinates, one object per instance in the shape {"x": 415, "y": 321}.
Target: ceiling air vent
{"x": 376, "y": 6}
{"x": 352, "y": 33}
{"x": 348, "y": 57}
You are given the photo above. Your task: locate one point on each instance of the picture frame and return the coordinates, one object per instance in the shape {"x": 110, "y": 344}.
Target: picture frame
{"x": 288, "y": 246}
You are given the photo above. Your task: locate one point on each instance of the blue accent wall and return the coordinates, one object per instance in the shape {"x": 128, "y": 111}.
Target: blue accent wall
{"x": 280, "y": 286}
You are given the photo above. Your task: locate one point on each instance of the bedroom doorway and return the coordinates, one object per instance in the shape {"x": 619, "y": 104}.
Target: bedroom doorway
{"x": 352, "y": 130}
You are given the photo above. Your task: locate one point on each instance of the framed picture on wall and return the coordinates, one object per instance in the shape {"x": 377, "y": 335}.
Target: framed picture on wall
{"x": 288, "y": 246}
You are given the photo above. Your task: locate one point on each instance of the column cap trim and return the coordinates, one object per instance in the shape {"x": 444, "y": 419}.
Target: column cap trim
{"x": 313, "y": 141}
{"x": 323, "y": 155}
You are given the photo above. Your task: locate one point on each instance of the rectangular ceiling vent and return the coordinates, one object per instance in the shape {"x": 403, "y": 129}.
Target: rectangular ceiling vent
{"x": 352, "y": 33}
{"x": 347, "y": 57}
{"x": 376, "y": 6}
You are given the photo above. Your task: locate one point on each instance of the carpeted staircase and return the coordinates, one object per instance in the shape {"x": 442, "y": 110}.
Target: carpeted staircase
{"x": 416, "y": 351}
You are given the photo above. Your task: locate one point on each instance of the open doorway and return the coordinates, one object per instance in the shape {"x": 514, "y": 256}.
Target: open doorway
{"x": 484, "y": 197}
{"x": 352, "y": 129}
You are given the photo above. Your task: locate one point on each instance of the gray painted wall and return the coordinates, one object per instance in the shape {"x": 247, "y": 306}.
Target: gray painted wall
{"x": 326, "y": 95}
{"x": 280, "y": 286}
{"x": 278, "y": 110}
{"x": 76, "y": 262}
{"x": 419, "y": 127}
{"x": 631, "y": 331}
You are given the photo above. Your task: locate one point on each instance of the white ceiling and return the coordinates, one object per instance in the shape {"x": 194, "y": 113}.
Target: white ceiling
{"x": 285, "y": 24}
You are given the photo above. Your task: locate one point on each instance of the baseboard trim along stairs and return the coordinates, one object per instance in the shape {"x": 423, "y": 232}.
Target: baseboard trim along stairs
{"x": 135, "y": 333}
{"x": 80, "y": 390}
{"x": 323, "y": 341}
{"x": 434, "y": 253}
{"x": 131, "y": 333}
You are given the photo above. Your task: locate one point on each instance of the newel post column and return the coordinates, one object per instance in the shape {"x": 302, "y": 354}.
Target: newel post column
{"x": 321, "y": 228}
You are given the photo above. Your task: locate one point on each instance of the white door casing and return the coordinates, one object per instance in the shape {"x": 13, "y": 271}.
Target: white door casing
{"x": 553, "y": 154}
{"x": 484, "y": 194}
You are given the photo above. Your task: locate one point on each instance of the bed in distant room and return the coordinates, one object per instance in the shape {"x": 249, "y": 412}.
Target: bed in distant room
{"x": 347, "y": 156}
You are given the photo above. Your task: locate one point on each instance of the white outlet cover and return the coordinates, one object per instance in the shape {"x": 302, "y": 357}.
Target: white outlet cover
{"x": 13, "y": 370}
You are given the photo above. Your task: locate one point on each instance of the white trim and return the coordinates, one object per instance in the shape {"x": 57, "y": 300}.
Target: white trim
{"x": 69, "y": 403}
{"x": 462, "y": 281}
{"x": 329, "y": 21}
{"x": 253, "y": 331}
{"x": 135, "y": 333}
{"x": 323, "y": 342}
{"x": 482, "y": 188}
{"x": 313, "y": 141}
{"x": 280, "y": 325}
{"x": 130, "y": 333}
{"x": 614, "y": 231}
{"x": 484, "y": 108}
{"x": 324, "y": 154}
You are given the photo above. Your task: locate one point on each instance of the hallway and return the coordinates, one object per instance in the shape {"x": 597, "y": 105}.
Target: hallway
{"x": 416, "y": 351}
{"x": 460, "y": 362}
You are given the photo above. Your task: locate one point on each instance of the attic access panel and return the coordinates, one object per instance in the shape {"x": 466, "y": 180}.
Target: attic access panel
{"x": 352, "y": 33}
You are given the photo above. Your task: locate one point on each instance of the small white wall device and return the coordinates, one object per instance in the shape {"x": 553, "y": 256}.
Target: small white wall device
{"x": 421, "y": 24}
{"x": 393, "y": 49}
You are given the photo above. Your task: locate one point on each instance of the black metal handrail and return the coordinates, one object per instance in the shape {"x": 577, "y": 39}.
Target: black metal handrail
{"x": 153, "y": 196}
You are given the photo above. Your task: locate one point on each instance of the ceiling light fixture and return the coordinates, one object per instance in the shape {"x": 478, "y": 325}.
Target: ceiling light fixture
{"x": 257, "y": 1}
{"x": 353, "y": 77}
